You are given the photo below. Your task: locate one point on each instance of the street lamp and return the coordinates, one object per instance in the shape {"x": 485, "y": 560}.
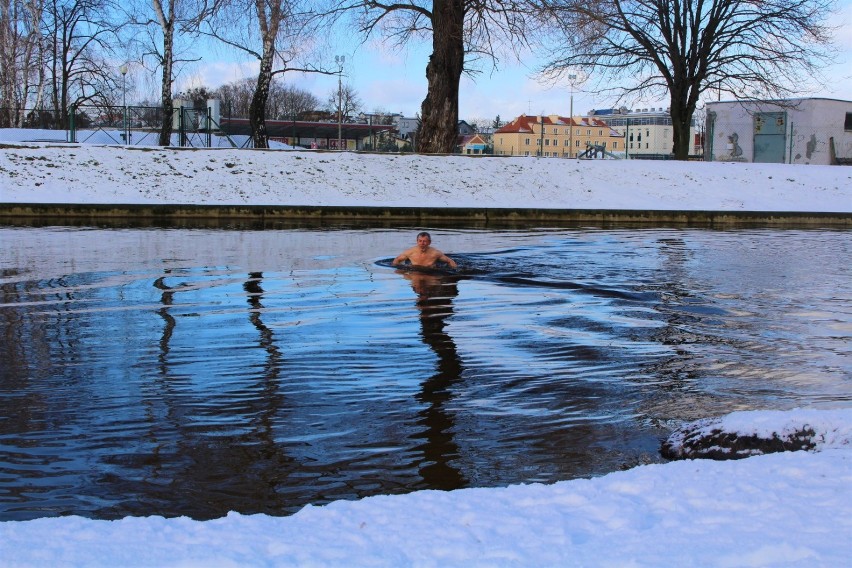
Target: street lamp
{"x": 571, "y": 78}
{"x": 123, "y": 71}
{"x": 340, "y": 59}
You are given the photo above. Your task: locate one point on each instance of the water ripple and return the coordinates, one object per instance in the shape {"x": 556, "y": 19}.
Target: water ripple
{"x": 258, "y": 371}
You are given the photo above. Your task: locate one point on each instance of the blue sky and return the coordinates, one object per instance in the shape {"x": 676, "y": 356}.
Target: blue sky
{"x": 393, "y": 80}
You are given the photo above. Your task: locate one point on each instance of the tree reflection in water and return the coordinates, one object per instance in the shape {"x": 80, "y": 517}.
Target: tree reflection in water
{"x": 435, "y": 295}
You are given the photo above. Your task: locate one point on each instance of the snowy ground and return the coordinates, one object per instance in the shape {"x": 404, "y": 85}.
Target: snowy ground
{"x": 788, "y": 509}
{"x": 89, "y": 174}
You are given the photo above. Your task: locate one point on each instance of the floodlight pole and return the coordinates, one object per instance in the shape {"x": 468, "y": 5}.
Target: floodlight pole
{"x": 123, "y": 71}
{"x": 340, "y": 59}
{"x": 571, "y": 78}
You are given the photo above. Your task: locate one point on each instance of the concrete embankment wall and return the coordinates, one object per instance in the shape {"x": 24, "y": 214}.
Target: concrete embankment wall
{"x": 39, "y": 213}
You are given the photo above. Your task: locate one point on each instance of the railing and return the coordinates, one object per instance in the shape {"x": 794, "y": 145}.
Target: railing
{"x": 113, "y": 125}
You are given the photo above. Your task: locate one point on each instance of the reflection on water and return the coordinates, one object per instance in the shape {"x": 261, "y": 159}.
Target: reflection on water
{"x": 194, "y": 372}
{"x": 435, "y": 304}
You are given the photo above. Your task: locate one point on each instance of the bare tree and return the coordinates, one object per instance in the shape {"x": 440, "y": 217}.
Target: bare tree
{"x": 344, "y": 101}
{"x": 21, "y": 69}
{"x": 458, "y": 29}
{"x": 276, "y": 33}
{"x": 284, "y": 103}
{"x": 746, "y": 48}
{"x": 80, "y": 37}
{"x": 287, "y": 102}
{"x": 236, "y": 96}
{"x": 166, "y": 23}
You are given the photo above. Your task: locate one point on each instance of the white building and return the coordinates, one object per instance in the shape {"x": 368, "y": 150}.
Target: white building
{"x": 405, "y": 126}
{"x": 647, "y": 131}
{"x": 794, "y": 131}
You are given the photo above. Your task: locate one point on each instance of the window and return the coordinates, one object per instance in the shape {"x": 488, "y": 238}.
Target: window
{"x": 547, "y": 142}
{"x": 589, "y": 132}
{"x": 848, "y": 124}
{"x": 600, "y": 132}
{"x": 556, "y": 131}
{"x": 577, "y": 143}
{"x": 567, "y": 142}
{"x": 527, "y": 142}
{"x": 527, "y": 153}
{"x": 615, "y": 145}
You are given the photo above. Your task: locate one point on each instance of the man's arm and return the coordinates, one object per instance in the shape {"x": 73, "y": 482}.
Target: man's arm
{"x": 448, "y": 260}
{"x": 402, "y": 257}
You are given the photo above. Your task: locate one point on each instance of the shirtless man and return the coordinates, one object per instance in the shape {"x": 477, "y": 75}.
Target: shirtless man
{"x": 423, "y": 254}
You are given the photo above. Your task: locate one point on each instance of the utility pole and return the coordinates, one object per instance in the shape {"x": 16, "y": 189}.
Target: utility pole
{"x": 123, "y": 71}
{"x": 571, "y": 78}
{"x": 340, "y": 59}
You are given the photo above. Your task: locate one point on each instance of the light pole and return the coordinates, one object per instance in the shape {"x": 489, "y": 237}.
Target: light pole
{"x": 572, "y": 77}
{"x": 340, "y": 59}
{"x": 123, "y": 71}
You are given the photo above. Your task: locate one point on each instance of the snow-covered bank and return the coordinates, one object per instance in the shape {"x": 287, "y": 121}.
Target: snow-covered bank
{"x": 85, "y": 174}
{"x": 785, "y": 509}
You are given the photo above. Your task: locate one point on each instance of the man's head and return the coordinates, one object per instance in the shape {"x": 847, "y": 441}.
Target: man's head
{"x": 424, "y": 239}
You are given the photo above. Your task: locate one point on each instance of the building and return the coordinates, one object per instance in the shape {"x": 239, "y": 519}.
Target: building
{"x": 793, "y": 131}
{"x": 465, "y": 129}
{"x": 647, "y": 131}
{"x": 555, "y": 136}
{"x": 405, "y": 127}
{"x": 473, "y": 144}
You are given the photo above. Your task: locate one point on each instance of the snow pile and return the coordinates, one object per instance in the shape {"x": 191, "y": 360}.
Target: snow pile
{"x": 743, "y": 434}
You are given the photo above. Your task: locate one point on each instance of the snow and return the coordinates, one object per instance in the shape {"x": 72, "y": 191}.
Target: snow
{"x": 90, "y": 174}
{"x": 785, "y": 509}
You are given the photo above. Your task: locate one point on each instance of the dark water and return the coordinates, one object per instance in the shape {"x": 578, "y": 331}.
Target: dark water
{"x": 194, "y": 372}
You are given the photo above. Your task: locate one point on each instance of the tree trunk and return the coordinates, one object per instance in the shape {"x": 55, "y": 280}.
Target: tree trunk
{"x": 167, "y": 25}
{"x": 269, "y": 25}
{"x": 257, "y": 109}
{"x": 166, "y": 88}
{"x": 440, "y": 109}
{"x": 681, "y": 110}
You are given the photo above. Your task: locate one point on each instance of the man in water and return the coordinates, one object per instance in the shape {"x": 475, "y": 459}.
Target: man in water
{"x": 423, "y": 254}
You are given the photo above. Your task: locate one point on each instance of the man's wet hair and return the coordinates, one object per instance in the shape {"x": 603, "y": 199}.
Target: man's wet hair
{"x": 424, "y": 234}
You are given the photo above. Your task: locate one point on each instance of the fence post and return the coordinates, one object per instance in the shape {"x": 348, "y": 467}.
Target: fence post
{"x": 72, "y": 126}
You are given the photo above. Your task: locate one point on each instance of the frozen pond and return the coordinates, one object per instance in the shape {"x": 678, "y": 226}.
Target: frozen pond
{"x": 199, "y": 371}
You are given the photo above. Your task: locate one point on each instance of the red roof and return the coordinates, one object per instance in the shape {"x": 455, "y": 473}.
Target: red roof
{"x": 525, "y": 123}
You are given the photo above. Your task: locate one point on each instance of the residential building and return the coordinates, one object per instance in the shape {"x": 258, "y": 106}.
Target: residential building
{"x": 473, "y": 144}
{"x": 405, "y": 127}
{"x": 647, "y": 131}
{"x": 465, "y": 129}
{"x": 793, "y": 131}
{"x": 555, "y": 136}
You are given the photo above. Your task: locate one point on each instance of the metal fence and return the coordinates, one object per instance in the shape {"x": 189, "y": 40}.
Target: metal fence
{"x": 116, "y": 125}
